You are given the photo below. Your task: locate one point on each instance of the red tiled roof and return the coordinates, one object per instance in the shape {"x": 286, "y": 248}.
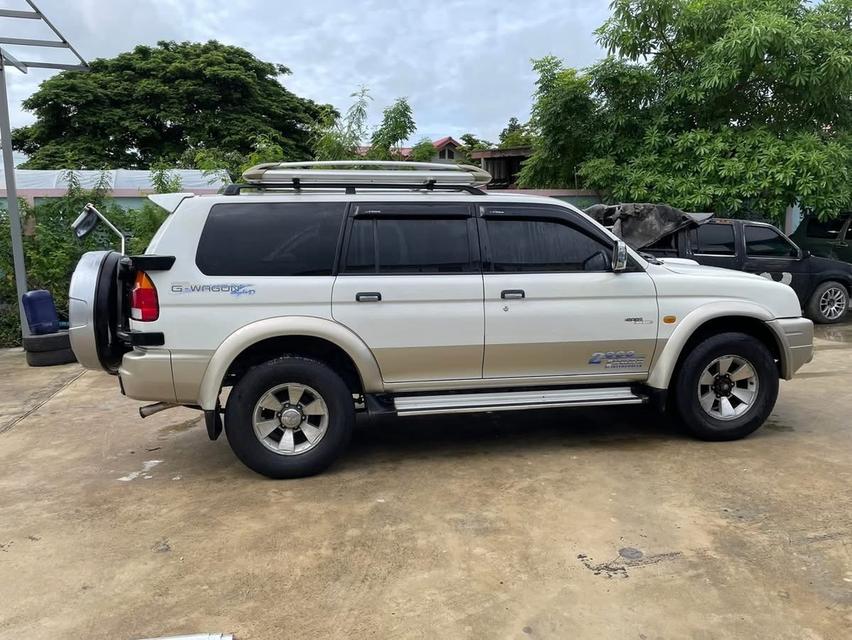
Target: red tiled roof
{"x": 406, "y": 151}
{"x": 443, "y": 142}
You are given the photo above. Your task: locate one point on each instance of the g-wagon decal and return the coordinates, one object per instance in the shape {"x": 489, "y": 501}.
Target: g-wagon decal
{"x": 234, "y": 289}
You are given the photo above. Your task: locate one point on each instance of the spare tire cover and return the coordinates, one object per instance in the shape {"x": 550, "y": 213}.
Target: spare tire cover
{"x": 93, "y": 311}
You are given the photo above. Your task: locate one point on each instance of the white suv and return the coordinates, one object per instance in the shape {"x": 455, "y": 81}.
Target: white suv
{"x": 318, "y": 290}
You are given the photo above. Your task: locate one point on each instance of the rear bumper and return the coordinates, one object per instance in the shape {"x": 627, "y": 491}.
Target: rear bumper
{"x": 796, "y": 341}
{"x": 147, "y": 375}
{"x": 163, "y": 375}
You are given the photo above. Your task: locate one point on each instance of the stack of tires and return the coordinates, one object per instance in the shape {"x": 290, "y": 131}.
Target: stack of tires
{"x": 48, "y": 349}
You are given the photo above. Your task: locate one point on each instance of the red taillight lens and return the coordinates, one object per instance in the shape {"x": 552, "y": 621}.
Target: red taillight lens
{"x": 144, "y": 304}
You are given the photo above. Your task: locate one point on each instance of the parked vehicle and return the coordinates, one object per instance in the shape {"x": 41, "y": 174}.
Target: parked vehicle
{"x": 826, "y": 238}
{"x": 822, "y": 285}
{"x": 316, "y": 291}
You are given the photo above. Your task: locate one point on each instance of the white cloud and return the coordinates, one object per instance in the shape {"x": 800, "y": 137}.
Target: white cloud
{"x": 463, "y": 64}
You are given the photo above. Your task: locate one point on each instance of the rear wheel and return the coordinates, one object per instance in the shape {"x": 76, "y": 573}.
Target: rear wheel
{"x": 726, "y": 387}
{"x": 289, "y": 418}
{"x": 829, "y": 303}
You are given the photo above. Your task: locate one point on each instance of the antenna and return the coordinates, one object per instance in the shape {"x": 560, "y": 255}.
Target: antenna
{"x": 8, "y": 60}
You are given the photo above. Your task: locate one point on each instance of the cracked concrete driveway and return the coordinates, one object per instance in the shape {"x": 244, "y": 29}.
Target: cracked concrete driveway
{"x": 559, "y": 524}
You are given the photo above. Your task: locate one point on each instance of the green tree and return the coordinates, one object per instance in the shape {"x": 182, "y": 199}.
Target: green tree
{"x": 515, "y": 135}
{"x": 396, "y": 127}
{"x": 157, "y": 103}
{"x": 734, "y": 106}
{"x": 469, "y": 144}
{"x": 423, "y": 151}
{"x": 562, "y": 117}
{"x": 338, "y": 138}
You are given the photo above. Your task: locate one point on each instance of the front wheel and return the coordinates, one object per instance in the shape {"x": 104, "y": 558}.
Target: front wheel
{"x": 289, "y": 418}
{"x": 726, "y": 387}
{"x": 829, "y": 303}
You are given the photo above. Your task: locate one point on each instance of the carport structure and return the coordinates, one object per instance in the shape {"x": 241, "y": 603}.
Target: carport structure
{"x": 40, "y": 45}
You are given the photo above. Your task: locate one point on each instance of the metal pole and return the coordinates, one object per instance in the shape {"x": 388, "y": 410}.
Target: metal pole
{"x": 12, "y": 201}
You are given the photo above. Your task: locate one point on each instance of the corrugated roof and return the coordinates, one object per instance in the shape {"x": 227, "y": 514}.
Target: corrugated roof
{"x": 135, "y": 179}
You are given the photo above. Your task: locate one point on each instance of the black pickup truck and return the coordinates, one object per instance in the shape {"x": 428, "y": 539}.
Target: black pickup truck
{"x": 822, "y": 284}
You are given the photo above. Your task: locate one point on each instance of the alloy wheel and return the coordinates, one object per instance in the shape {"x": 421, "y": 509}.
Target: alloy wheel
{"x": 290, "y": 419}
{"x": 832, "y": 303}
{"x": 728, "y": 387}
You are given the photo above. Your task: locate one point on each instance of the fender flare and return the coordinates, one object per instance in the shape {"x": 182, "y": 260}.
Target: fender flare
{"x": 664, "y": 364}
{"x": 244, "y": 337}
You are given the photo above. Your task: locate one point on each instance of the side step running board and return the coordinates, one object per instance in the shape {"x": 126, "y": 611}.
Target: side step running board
{"x": 513, "y": 400}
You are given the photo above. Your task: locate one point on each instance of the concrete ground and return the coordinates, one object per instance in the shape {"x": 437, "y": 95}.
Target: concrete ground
{"x": 561, "y": 524}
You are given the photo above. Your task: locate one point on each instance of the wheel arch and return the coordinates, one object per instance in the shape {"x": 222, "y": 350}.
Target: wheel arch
{"x": 307, "y": 336}
{"x": 751, "y": 319}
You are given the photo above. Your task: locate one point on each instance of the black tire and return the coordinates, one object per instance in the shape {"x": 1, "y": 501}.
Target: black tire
{"x": 50, "y": 358}
{"x": 259, "y": 380}
{"x": 685, "y": 386}
{"x": 47, "y": 342}
{"x": 813, "y": 310}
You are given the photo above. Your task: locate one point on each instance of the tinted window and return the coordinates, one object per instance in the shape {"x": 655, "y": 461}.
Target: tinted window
{"x": 766, "y": 241}
{"x": 542, "y": 245}
{"x": 714, "y": 239}
{"x": 665, "y": 246}
{"x": 270, "y": 239}
{"x": 827, "y": 229}
{"x": 409, "y": 245}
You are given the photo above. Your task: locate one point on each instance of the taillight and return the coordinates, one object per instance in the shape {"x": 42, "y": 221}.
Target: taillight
{"x": 144, "y": 304}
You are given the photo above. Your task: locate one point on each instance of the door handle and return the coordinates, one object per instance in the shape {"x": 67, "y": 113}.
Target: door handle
{"x": 512, "y": 294}
{"x": 368, "y": 296}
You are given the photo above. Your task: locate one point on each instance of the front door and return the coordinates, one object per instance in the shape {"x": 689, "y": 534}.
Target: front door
{"x": 410, "y": 286}
{"x": 770, "y": 254}
{"x": 553, "y": 305}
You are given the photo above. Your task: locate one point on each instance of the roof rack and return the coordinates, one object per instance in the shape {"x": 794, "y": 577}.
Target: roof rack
{"x": 363, "y": 174}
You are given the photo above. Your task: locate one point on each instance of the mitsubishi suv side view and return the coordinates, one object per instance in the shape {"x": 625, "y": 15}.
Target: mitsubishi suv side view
{"x": 285, "y": 305}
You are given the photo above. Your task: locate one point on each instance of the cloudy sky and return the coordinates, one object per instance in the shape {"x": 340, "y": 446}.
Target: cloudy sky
{"x": 463, "y": 64}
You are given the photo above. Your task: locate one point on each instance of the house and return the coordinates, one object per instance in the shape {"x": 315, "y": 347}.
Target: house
{"x": 504, "y": 165}
{"x": 446, "y": 150}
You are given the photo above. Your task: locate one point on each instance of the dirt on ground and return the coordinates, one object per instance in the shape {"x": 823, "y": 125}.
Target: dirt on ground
{"x": 541, "y": 524}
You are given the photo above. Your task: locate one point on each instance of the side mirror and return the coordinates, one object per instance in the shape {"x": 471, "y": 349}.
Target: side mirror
{"x": 85, "y": 222}
{"x": 88, "y": 220}
{"x": 619, "y": 257}
{"x": 804, "y": 253}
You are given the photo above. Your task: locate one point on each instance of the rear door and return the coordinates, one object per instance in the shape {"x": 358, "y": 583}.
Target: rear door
{"x": 770, "y": 254}
{"x": 553, "y": 305}
{"x": 714, "y": 244}
{"x": 410, "y": 286}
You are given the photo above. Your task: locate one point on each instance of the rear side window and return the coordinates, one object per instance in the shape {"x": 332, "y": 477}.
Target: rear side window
{"x": 767, "y": 242}
{"x": 270, "y": 239}
{"x": 825, "y": 229}
{"x": 714, "y": 239}
{"x": 544, "y": 245}
{"x": 409, "y": 245}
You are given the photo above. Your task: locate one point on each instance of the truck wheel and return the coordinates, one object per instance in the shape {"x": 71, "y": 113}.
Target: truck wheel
{"x": 289, "y": 418}
{"x": 829, "y": 303}
{"x": 726, "y": 387}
